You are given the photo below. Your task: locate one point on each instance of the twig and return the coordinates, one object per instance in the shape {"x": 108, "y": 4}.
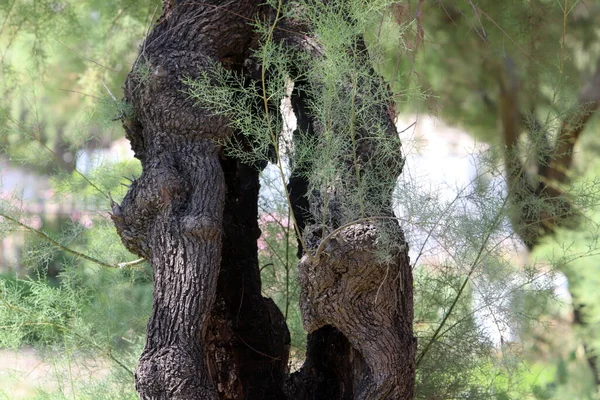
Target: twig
{"x": 56, "y": 243}
{"x": 84, "y": 57}
{"x": 564, "y": 33}
{"x": 85, "y": 94}
{"x": 131, "y": 263}
{"x": 44, "y": 145}
{"x": 109, "y": 92}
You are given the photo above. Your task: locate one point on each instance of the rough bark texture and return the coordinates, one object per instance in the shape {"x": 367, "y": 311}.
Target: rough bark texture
{"x": 370, "y": 303}
{"x": 357, "y": 309}
{"x": 173, "y": 214}
{"x": 332, "y": 365}
{"x": 193, "y": 215}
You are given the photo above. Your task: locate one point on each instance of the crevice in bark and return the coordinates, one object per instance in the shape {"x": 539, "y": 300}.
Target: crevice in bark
{"x": 330, "y": 369}
{"x": 248, "y": 338}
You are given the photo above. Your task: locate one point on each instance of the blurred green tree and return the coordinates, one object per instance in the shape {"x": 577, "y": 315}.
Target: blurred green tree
{"x": 525, "y": 76}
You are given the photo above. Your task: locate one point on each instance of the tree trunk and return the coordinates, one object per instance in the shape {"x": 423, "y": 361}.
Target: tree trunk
{"x": 357, "y": 308}
{"x": 331, "y": 362}
{"x": 530, "y": 220}
{"x": 193, "y": 215}
{"x": 173, "y": 214}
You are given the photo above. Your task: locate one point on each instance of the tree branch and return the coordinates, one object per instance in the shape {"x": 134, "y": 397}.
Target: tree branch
{"x": 572, "y": 126}
{"x": 60, "y": 246}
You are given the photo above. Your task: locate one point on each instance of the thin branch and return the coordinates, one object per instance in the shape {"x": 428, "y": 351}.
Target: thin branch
{"x": 109, "y": 92}
{"x": 266, "y": 265}
{"x": 85, "y": 94}
{"x": 257, "y": 351}
{"x": 84, "y": 57}
{"x": 439, "y": 220}
{"x": 272, "y": 134}
{"x": 44, "y": 145}
{"x": 476, "y": 10}
{"x": 131, "y": 263}
{"x": 462, "y": 287}
{"x": 56, "y": 243}
{"x": 117, "y": 361}
{"x": 564, "y": 34}
{"x": 572, "y": 126}
{"x": 525, "y": 52}
{"x": 7, "y": 16}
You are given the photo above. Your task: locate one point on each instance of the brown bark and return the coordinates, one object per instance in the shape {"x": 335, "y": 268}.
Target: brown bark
{"x": 530, "y": 220}
{"x": 173, "y": 214}
{"x": 370, "y": 303}
{"x": 357, "y": 309}
{"x": 572, "y": 126}
{"x": 331, "y": 362}
{"x": 193, "y": 215}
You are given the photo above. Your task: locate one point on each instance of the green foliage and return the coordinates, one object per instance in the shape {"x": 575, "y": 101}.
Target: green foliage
{"x": 457, "y": 64}
{"x": 277, "y": 260}
{"x": 347, "y": 102}
{"x": 92, "y": 319}
{"x": 56, "y": 60}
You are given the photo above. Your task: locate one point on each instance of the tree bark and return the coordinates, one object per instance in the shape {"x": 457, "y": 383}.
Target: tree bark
{"x": 531, "y": 221}
{"x": 331, "y": 362}
{"x": 173, "y": 214}
{"x": 193, "y": 214}
{"x": 357, "y": 308}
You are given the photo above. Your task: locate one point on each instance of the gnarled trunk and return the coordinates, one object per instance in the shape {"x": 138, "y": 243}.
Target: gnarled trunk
{"x": 173, "y": 214}
{"x": 356, "y": 304}
{"x": 193, "y": 215}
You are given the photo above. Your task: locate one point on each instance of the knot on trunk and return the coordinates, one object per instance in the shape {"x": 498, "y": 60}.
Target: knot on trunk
{"x": 155, "y": 190}
{"x": 202, "y": 226}
{"x": 157, "y": 87}
{"x": 348, "y": 275}
{"x": 360, "y": 291}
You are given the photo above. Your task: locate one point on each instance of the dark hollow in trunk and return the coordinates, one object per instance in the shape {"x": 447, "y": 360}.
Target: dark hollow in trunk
{"x": 248, "y": 338}
{"x": 193, "y": 215}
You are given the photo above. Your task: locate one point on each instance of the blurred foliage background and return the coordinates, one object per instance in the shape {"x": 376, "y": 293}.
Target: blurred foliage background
{"x": 71, "y": 291}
